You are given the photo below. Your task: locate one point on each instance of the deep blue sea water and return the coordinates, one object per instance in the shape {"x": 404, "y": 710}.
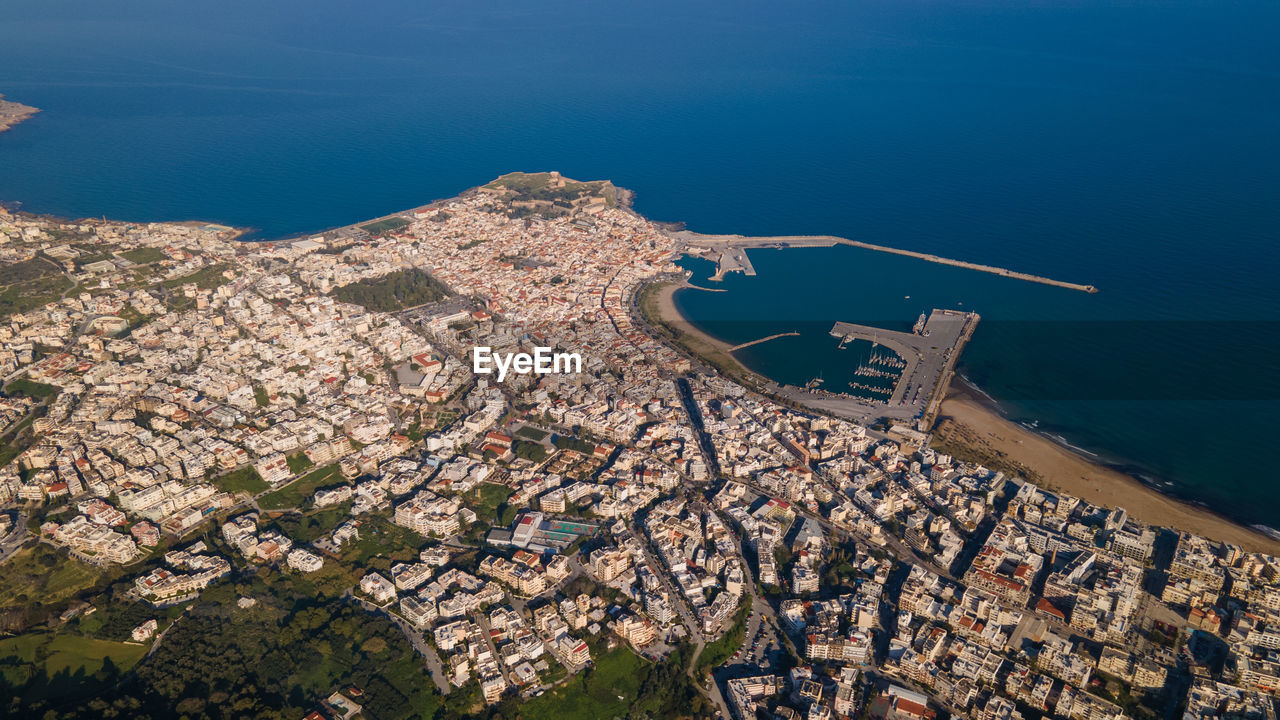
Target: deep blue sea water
{"x": 1130, "y": 145}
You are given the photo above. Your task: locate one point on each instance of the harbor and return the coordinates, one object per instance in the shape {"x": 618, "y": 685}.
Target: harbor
{"x": 729, "y": 254}
{"x": 902, "y": 379}
{"x": 923, "y": 357}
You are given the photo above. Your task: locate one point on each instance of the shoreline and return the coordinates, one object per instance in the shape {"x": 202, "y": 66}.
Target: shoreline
{"x": 713, "y": 350}
{"x": 12, "y": 113}
{"x": 1050, "y": 463}
{"x": 970, "y": 422}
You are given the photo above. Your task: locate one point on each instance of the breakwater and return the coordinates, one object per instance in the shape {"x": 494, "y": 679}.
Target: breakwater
{"x": 727, "y": 251}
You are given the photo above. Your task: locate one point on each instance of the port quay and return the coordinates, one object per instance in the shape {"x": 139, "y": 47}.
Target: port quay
{"x": 929, "y": 356}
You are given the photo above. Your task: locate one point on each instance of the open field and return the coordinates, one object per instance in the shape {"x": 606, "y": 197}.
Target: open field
{"x": 490, "y": 503}
{"x": 143, "y": 255}
{"x": 42, "y": 575}
{"x": 67, "y": 662}
{"x": 381, "y": 227}
{"x": 205, "y": 278}
{"x": 24, "y": 296}
{"x": 608, "y": 691}
{"x": 72, "y": 652}
{"x": 31, "y": 389}
{"x": 245, "y": 479}
{"x": 298, "y": 492}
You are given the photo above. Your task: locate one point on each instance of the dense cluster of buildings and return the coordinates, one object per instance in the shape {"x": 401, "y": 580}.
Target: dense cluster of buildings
{"x": 645, "y": 500}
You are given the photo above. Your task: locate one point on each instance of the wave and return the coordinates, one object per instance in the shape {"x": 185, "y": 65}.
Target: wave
{"x": 982, "y": 392}
{"x": 1063, "y": 441}
{"x": 1266, "y": 530}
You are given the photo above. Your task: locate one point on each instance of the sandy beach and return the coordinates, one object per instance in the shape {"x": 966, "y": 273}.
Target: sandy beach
{"x": 710, "y": 349}
{"x": 971, "y": 430}
{"x": 664, "y": 297}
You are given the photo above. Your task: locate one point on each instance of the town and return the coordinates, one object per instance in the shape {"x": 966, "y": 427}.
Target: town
{"x": 184, "y": 409}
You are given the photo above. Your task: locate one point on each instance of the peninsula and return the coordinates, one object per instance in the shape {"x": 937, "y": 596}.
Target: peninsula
{"x": 12, "y": 113}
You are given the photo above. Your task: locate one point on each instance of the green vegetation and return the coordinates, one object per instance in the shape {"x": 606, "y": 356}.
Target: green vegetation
{"x": 143, "y": 255}
{"x": 260, "y": 396}
{"x": 620, "y": 685}
{"x": 27, "y": 270}
{"x": 393, "y": 291}
{"x": 550, "y": 201}
{"x": 299, "y": 462}
{"x": 22, "y": 387}
{"x": 565, "y": 442}
{"x": 278, "y": 659}
{"x": 134, "y": 318}
{"x": 42, "y": 576}
{"x": 529, "y": 450}
{"x": 31, "y": 294}
{"x": 529, "y": 432}
{"x": 19, "y": 438}
{"x": 471, "y": 244}
{"x": 116, "y": 618}
{"x": 245, "y": 479}
{"x": 717, "y": 653}
{"x": 206, "y": 278}
{"x": 275, "y": 660}
{"x": 311, "y": 526}
{"x": 491, "y": 503}
{"x": 47, "y": 666}
{"x": 69, "y": 652}
{"x": 607, "y": 690}
{"x": 381, "y": 544}
{"x": 300, "y": 491}
{"x": 415, "y": 433}
{"x": 382, "y": 227}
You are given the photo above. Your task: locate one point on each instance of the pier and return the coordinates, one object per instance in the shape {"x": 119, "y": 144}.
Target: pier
{"x": 729, "y": 251}
{"x": 736, "y": 348}
{"x": 929, "y": 358}
{"x": 733, "y": 259}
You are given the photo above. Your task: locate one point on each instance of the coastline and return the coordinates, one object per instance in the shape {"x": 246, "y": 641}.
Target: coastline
{"x": 12, "y": 113}
{"x": 969, "y": 426}
{"x": 713, "y": 350}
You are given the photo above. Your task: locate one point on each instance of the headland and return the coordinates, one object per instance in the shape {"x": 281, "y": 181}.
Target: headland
{"x": 12, "y": 113}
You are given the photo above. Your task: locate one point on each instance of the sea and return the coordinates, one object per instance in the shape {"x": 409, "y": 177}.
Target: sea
{"x": 1131, "y": 145}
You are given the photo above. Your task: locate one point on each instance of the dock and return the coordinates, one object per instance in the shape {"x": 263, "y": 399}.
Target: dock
{"x": 930, "y": 356}
{"x": 733, "y": 259}
{"x": 729, "y": 251}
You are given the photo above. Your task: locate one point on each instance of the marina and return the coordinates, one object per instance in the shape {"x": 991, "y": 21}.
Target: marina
{"x": 918, "y": 362}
